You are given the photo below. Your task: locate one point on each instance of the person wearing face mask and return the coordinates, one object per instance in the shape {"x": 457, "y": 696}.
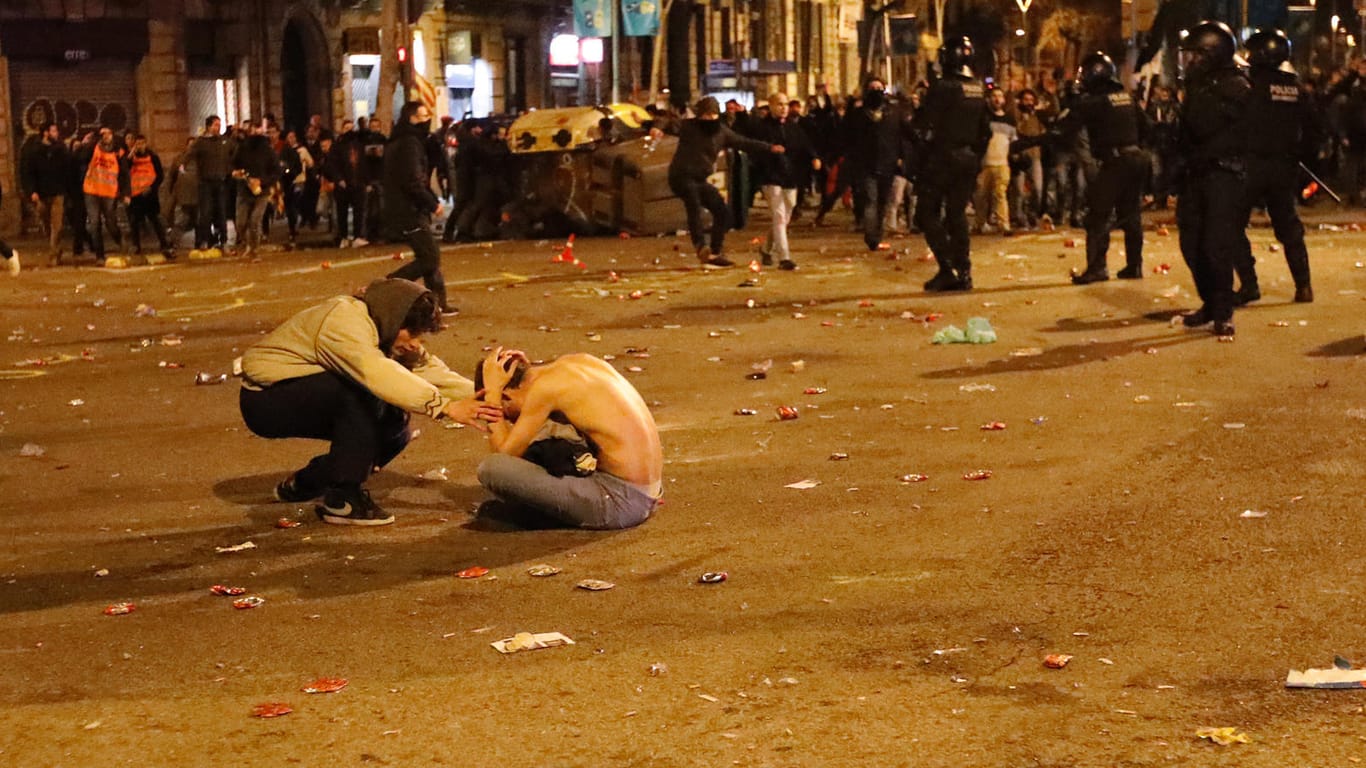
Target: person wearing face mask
{"x": 700, "y": 140}
{"x": 953, "y": 128}
{"x": 409, "y": 203}
{"x": 145, "y": 175}
{"x": 875, "y": 131}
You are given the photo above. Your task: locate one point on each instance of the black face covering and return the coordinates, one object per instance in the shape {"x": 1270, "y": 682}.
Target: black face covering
{"x": 873, "y": 98}
{"x": 424, "y": 127}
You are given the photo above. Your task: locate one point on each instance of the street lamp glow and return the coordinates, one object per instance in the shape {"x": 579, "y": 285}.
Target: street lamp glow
{"x": 1019, "y": 32}
{"x": 1334, "y": 21}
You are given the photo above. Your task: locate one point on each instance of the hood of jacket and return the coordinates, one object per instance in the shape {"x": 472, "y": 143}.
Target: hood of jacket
{"x": 389, "y": 300}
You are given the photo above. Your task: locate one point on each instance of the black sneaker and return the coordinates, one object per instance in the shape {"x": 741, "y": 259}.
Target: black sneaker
{"x": 293, "y": 492}
{"x": 1086, "y": 278}
{"x": 1304, "y": 295}
{"x": 1246, "y": 295}
{"x": 1131, "y": 272}
{"x": 787, "y": 264}
{"x": 943, "y": 280}
{"x": 1195, "y": 319}
{"x": 718, "y": 262}
{"x": 1223, "y": 329}
{"x": 352, "y": 506}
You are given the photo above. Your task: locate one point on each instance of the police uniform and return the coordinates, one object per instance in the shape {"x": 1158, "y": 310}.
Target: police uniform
{"x": 1210, "y": 211}
{"x": 1281, "y": 125}
{"x": 954, "y": 126}
{"x": 1116, "y": 125}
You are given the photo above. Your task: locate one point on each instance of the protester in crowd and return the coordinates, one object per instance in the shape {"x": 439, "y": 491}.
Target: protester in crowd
{"x": 256, "y": 168}
{"x": 106, "y": 182}
{"x": 409, "y": 203}
{"x": 43, "y": 178}
{"x": 145, "y": 176}
{"x": 212, "y": 155}
{"x": 780, "y": 174}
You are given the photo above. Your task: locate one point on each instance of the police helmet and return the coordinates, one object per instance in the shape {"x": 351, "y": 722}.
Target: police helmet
{"x": 955, "y": 56}
{"x": 1097, "y": 71}
{"x": 1268, "y": 48}
{"x": 1211, "y": 45}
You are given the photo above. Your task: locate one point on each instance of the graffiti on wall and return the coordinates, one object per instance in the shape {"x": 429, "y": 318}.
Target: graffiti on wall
{"x": 73, "y": 118}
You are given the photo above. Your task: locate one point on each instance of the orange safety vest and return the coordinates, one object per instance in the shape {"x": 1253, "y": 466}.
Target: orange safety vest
{"x": 142, "y": 175}
{"x": 102, "y": 177}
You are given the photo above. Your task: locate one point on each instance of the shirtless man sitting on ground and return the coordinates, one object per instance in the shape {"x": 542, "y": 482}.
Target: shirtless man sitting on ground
{"x": 588, "y": 394}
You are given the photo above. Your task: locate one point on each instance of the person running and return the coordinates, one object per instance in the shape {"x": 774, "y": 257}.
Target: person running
{"x": 409, "y": 203}
{"x": 700, "y": 140}
{"x": 349, "y": 371}
{"x": 615, "y": 479}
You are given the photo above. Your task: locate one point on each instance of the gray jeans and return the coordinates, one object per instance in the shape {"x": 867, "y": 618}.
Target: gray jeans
{"x": 599, "y": 501}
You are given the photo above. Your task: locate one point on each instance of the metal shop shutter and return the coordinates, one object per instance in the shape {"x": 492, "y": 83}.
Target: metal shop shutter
{"x": 78, "y": 98}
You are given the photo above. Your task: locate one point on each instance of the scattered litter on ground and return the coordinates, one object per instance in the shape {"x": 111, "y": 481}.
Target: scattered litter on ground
{"x": 787, "y": 413}
{"x": 803, "y": 485}
{"x": 1252, "y": 514}
{"x": 221, "y": 590}
{"x": 145, "y": 310}
{"x": 235, "y": 547}
{"x": 977, "y": 474}
{"x": 1234, "y": 425}
{"x": 32, "y": 450}
{"x": 472, "y": 572}
{"x": 839, "y": 456}
{"x": 251, "y": 601}
{"x": 119, "y": 609}
{"x": 745, "y": 412}
{"x": 326, "y": 685}
{"x": 658, "y": 669}
{"x": 271, "y": 709}
{"x": 1026, "y": 352}
{"x": 713, "y": 577}
{"x": 542, "y": 569}
{"x": 595, "y": 585}
{"x": 203, "y": 378}
{"x": 1224, "y": 736}
{"x": 814, "y": 391}
{"x": 1056, "y": 660}
{"x": 285, "y": 522}
{"x": 993, "y": 426}
{"x": 527, "y": 641}
{"x": 977, "y": 388}
{"x": 434, "y": 475}
{"x": 101, "y": 573}
{"x": 914, "y": 478}
{"x": 76, "y": 403}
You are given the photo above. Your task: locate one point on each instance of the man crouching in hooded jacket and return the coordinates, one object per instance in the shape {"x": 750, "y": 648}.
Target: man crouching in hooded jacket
{"x": 349, "y": 371}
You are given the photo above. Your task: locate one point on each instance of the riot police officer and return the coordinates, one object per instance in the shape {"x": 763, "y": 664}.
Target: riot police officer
{"x": 1283, "y": 126}
{"x": 952, "y": 129}
{"x": 1116, "y": 125}
{"x": 1210, "y": 211}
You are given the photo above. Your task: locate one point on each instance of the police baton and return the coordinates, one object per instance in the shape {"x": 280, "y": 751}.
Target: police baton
{"x": 1321, "y": 183}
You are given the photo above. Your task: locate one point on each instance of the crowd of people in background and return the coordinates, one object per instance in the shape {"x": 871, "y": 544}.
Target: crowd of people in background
{"x": 109, "y": 190}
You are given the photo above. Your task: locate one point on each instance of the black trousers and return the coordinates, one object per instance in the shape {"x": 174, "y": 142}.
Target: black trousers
{"x": 1212, "y": 216}
{"x": 426, "y": 263}
{"x": 365, "y": 432}
{"x": 941, "y": 208}
{"x": 1273, "y": 182}
{"x": 213, "y": 214}
{"x": 347, "y": 202}
{"x": 1117, "y": 189}
{"x": 697, "y": 194}
{"x": 146, "y": 208}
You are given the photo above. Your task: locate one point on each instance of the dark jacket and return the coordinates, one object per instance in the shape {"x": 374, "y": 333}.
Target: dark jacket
{"x": 874, "y": 139}
{"x": 1213, "y": 126}
{"x": 257, "y": 158}
{"x": 345, "y": 163}
{"x": 789, "y": 169}
{"x": 408, "y": 198}
{"x": 1112, "y": 119}
{"x": 213, "y": 156}
{"x": 1284, "y": 124}
{"x": 700, "y": 141}
{"x": 46, "y": 170}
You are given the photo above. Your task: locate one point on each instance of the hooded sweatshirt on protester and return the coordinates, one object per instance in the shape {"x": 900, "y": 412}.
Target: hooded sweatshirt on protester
{"x": 353, "y": 337}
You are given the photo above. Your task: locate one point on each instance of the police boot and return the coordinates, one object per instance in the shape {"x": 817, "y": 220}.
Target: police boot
{"x": 1304, "y": 294}
{"x": 943, "y": 280}
{"x": 964, "y": 282}
{"x": 1248, "y": 293}
{"x": 1131, "y": 271}
{"x": 1095, "y": 265}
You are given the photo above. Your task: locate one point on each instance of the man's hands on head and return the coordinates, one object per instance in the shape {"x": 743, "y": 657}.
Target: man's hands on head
{"x": 474, "y": 412}
{"x": 498, "y": 368}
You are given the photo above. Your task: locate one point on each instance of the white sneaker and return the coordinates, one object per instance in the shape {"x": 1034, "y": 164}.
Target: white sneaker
{"x": 345, "y": 243}
{"x": 13, "y": 263}
{"x": 359, "y": 242}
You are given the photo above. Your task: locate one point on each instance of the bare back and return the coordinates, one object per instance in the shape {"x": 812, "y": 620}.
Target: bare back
{"x": 603, "y": 405}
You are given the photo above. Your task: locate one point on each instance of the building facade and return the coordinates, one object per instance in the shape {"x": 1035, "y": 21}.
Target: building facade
{"x": 159, "y": 67}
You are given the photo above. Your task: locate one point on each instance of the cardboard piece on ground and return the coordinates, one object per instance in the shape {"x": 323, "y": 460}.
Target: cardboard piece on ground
{"x": 1326, "y": 678}
{"x": 526, "y": 641}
